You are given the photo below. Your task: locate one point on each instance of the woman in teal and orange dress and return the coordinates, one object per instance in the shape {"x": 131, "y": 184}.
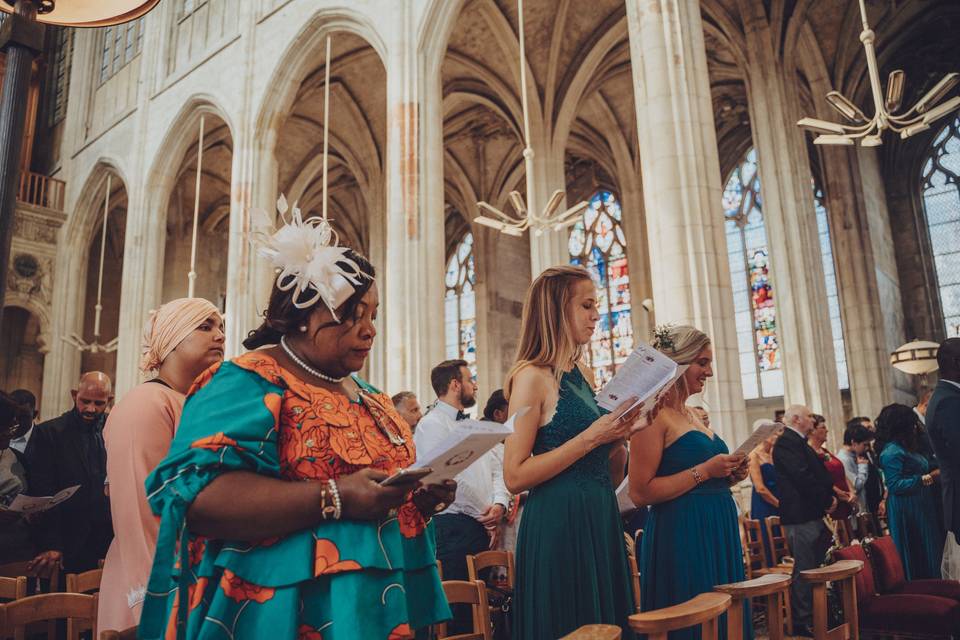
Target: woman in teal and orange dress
{"x": 684, "y": 471}
{"x": 274, "y": 523}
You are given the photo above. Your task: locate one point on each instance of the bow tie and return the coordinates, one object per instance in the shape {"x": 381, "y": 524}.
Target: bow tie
{"x": 461, "y": 416}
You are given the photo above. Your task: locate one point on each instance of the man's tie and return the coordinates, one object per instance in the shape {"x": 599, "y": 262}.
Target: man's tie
{"x": 461, "y": 416}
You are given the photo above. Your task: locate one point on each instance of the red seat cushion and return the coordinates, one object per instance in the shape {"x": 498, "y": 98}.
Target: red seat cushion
{"x": 942, "y": 588}
{"x": 865, "y": 584}
{"x": 910, "y": 613}
{"x": 889, "y": 567}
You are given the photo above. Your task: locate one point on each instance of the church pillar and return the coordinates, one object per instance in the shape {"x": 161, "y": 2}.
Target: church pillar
{"x": 411, "y": 282}
{"x": 803, "y": 323}
{"x": 681, "y": 190}
{"x": 548, "y": 248}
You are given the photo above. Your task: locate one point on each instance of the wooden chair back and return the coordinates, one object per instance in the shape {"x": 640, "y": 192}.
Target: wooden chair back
{"x": 473, "y": 593}
{"x": 843, "y": 532}
{"x": 842, "y": 574}
{"x": 126, "y": 634}
{"x": 773, "y": 588}
{"x": 17, "y": 569}
{"x": 486, "y": 559}
{"x": 78, "y": 609}
{"x": 86, "y": 582}
{"x": 754, "y": 556}
{"x": 635, "y": 578}
{"x": 778, "y": 539}
{"x": 595, "y": 632}
{"x": 13, "y": 588}
{"x": 866, "y": 527}
{"x": 702, "y": 611}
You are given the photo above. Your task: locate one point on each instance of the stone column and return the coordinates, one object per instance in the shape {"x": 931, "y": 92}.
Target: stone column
{"x": 803, "y": 323}
{"x": 681, "y": 190}
{"x": 548, "y": 249}
{"x": 411, "y": 287}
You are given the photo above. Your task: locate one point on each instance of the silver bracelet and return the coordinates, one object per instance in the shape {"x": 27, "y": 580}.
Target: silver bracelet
{"x": 335, "y": 495}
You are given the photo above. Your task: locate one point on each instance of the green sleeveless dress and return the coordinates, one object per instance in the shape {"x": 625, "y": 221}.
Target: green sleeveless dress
{"x": 571, "y": 557}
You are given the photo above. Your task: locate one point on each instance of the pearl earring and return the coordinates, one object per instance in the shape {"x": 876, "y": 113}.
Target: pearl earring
{"x": 303, "y": 328}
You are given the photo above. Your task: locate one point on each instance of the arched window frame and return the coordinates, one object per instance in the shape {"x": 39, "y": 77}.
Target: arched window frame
{"x": 460, "y": 303}
{"x": 597, "y": 242}
{"x": 755, "y": 310}
{"x": 940, "y": 193}
{"x": 830, "y": 280}
{"x": 119, "y": 45}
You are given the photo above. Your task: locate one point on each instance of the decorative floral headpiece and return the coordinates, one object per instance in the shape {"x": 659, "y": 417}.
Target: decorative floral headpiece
{"x": 309, "y": 259}
{"x": 663, "y": 338}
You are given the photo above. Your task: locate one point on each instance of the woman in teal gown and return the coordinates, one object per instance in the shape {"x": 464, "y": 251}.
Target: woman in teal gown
{"x": 691, "y": 542}
{"x": 571, "y": 558}
{"x": 912, "y": 510}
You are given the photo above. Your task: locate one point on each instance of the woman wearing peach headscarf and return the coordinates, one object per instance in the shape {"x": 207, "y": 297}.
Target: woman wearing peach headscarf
{"x": 180, "y": 340}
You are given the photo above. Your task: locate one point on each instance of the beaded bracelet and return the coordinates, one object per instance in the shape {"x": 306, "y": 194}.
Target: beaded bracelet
{"x": 697, "y": 476}
{"x": 335, "y": 495}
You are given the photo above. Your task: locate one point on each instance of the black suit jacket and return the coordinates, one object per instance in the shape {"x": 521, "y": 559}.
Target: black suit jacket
{"x": 943, "y": 424}
{"x": 64, "y": 452}
{"x": 805, "y": 485}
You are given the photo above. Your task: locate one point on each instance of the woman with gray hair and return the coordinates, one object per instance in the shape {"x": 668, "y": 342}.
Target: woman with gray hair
{"x": 683, "y": 470}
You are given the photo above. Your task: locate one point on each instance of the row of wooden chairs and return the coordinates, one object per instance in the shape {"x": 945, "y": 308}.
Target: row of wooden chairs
{"x": 23, "y": 615}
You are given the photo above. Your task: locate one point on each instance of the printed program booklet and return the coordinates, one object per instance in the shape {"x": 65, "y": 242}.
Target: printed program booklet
{"x": 647, "y": 375}
{"x": 464, "y": 446}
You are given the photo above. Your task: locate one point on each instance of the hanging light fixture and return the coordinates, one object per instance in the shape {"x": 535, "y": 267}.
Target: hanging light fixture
{"x": 916, "y": 358}
{"x": 526, "y": 214}
{"x": 868, "y": 130}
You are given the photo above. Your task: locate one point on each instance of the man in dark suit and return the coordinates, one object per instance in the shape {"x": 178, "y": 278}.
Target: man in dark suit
{"x": 806, "y": 495}
{"x": 943, "y": 424}
{"x": 64, "y": 452}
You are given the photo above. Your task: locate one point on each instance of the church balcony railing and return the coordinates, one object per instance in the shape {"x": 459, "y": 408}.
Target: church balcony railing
{"x": 41, "y": 191}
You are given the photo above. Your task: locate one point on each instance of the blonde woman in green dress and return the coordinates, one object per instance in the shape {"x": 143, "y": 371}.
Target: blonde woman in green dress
{"x": 571, "y": 559}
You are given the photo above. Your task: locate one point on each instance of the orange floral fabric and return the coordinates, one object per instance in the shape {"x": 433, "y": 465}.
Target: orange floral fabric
{"x": 239, "y": 589}
{"x": 328, "y": 559}
{"x": 216, "y": 442}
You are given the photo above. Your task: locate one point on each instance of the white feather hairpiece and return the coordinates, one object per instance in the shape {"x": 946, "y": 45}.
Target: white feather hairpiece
{"x": 309, "y": 259}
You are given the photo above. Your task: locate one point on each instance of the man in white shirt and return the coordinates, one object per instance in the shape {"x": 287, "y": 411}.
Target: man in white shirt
{"x": 25, "y": 398}
{"x": 471, "y": 524}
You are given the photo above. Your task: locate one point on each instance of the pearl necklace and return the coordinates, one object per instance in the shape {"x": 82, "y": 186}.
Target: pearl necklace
{"x": 303, "y": 365}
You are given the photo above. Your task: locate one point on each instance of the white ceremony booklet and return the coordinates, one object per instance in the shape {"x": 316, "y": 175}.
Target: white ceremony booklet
{"x": 647, "y": 374}
{"x": 464, "y": 446}
{"x": 761, "y": 433}
{"x": 36, "y": 504}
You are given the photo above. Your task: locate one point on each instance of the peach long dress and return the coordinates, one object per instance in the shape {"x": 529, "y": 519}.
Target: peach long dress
{"x": 137, "y": 436}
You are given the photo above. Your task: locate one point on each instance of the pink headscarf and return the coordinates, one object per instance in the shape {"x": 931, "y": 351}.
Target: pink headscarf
{"x": 169, "y": 325}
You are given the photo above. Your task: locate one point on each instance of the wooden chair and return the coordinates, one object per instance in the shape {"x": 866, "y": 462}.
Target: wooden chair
{"x": 843, "y": 573}
{"x": 78, "y": 609}
{"x": 866, "y": 526}
{"x": 782, "y": 560}
{"x": 17, "y": 569}
{"x": 595, "y": 632}
{"x": 487, "y": 559}
{"x": 703, "y": 610}
{"x": 126, "y": 634}
{"x": 86, "y": 582}
{"x": 472, "y": 593}
{"x": 843, "y": 532}
{"x": 13, "y": 588}
{"x": 754, "y": 557}
{"x": 635, "y": 577}
{"x": 773, "y": 587}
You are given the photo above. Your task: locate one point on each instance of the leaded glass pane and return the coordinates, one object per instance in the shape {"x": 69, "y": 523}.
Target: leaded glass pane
{"x": 830, "y": 279}
{"x": 597, "y": 242}
{"x": 460, "y": 312}
{"x": 941, "y": 204}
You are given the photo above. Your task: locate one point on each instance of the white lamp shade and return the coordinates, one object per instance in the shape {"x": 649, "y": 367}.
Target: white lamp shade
{"x": 90, "y": 13}
{"x": 916, "y": 358}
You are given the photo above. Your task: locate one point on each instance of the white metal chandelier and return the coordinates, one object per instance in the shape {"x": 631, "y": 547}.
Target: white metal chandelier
{"x": 868, "y": 130}
{"x": 527, "y": 216}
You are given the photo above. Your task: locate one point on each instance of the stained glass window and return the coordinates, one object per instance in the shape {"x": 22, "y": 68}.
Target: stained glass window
{"x": 597, "y": 242}
{"x": 833, "y": 297}
{"x": 460, "y": 304}
{"x": 121, "y": 44}
{"x": 941, "y": 203}
{"x": 754, "y": 306}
